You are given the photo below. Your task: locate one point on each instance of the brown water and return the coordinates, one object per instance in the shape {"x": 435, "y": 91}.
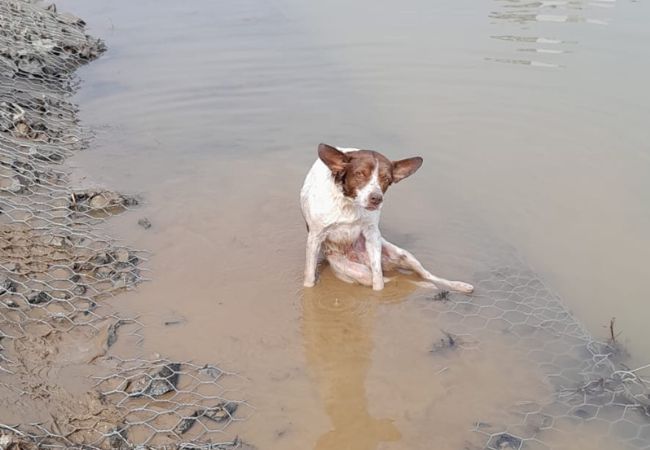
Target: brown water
{"x": 531, "y": 118}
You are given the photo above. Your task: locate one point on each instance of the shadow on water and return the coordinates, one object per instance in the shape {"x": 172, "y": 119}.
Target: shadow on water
{"x": 338, "y": 329}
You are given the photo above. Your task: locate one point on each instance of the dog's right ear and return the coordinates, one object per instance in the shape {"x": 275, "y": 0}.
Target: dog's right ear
{"x": 333, "y": 158}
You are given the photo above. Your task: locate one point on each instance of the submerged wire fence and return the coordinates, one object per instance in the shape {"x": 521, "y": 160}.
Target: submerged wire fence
{"x": 57, "y": 271}
{"x": 594, "y": 392}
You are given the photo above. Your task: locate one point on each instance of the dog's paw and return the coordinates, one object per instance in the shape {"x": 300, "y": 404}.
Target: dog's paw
{"x": 308, "y": 283}
{"x": 459, "y": 286}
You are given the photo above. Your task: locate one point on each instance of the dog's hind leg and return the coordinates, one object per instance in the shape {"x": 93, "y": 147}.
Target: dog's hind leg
{"x": 398, "y": 257}
{"x": 349, "y": 271}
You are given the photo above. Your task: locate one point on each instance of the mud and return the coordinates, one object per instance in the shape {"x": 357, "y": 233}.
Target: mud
{"x": 60, "y": 334}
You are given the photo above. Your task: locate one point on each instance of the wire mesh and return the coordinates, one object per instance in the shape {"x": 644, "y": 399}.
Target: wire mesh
{"x": 57, "y": 271}
{"x": 592, "y": 387}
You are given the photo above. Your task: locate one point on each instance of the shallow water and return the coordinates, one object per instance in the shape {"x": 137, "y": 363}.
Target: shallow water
{"x": 530, "y": 117}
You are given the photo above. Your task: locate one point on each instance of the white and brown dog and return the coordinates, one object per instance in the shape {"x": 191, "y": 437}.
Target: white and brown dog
{"x": 341, "y": 201}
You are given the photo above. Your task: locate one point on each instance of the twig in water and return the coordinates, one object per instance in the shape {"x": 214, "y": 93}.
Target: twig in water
{"x": 612, "y": 334}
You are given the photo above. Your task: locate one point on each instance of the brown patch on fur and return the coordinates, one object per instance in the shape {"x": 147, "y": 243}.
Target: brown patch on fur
{"x": 353, "y": 170}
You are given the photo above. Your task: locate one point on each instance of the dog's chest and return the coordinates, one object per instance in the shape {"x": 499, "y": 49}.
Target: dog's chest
{"x": 344, "y": 233}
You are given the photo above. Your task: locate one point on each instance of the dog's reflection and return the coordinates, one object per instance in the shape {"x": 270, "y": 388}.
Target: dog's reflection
{"x": 338, "y": 331}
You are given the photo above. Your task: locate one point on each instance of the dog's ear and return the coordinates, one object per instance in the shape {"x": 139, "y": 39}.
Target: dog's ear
{"x": 405, "y": 167}
{"x": 335, "y": 159}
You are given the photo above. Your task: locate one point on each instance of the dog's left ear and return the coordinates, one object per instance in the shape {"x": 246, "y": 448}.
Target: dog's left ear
{"x": 405, "y": 167}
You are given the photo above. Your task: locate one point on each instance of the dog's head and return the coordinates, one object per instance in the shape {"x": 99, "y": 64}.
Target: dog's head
{"x": 366, "y": 175}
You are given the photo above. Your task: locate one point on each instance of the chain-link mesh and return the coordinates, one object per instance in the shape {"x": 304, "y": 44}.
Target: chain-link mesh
{"x": 56, "y": 272}
{"x": 594, "y": 392}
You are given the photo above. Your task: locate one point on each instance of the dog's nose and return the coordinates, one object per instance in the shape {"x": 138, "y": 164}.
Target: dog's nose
{"x": 375, "y": 199}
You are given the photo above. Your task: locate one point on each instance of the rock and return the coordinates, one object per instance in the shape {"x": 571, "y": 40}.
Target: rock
{"x": 11, "y": 304}
{"x": 186, "y": 423}
{"x": 8, "y": 286}
{"x": 507, "y": 441}
{"x": 12, "y": 442}
{"x": 157, "y": 382}
{"x": 104, "y": 272}
{"x": 121, "y": 255}
{"x": 16, "y": 185}
{"x": 102, "y": 259}
{"x": 235, "y": 444}
{"x": 144, "y": 223}
{"x": 221, "y": 412}
{"x": 103, "y": 200}
{"x": 211, "y": 371}
{"x": 11, "y": 184}
{"x": 41, "y": 297}
{"x": 117, "y": 438}
{"x": 45, "y": 154}
{"x": 21, "y": 129}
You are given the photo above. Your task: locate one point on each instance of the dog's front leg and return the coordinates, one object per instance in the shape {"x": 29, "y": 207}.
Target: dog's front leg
{"x": 314, "y": 242}
{"x": 373, "y": 247}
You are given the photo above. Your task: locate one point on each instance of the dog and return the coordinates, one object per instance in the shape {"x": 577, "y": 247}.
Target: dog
{"x": 341, "y": 201}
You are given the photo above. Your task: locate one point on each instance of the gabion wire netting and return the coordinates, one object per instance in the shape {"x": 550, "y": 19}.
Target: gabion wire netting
{"x": 593, "y": 390}
{"x": 57, "y": 270}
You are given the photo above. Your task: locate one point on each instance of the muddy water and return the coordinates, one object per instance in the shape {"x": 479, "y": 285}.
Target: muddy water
{"x": 530, "y": 117}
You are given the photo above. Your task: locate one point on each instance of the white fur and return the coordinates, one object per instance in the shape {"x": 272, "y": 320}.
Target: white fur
{"x": 332, "y": 216}
{"x": 336, "y": 219}
{"x": 363, "y": 195}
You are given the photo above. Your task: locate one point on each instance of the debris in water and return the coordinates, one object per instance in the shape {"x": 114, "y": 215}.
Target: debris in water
{"x": 441, "y": 296}
{"x": 112, "y": 333}
{"x": 612, "y": 334}
{"x": 447, "y": 342}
